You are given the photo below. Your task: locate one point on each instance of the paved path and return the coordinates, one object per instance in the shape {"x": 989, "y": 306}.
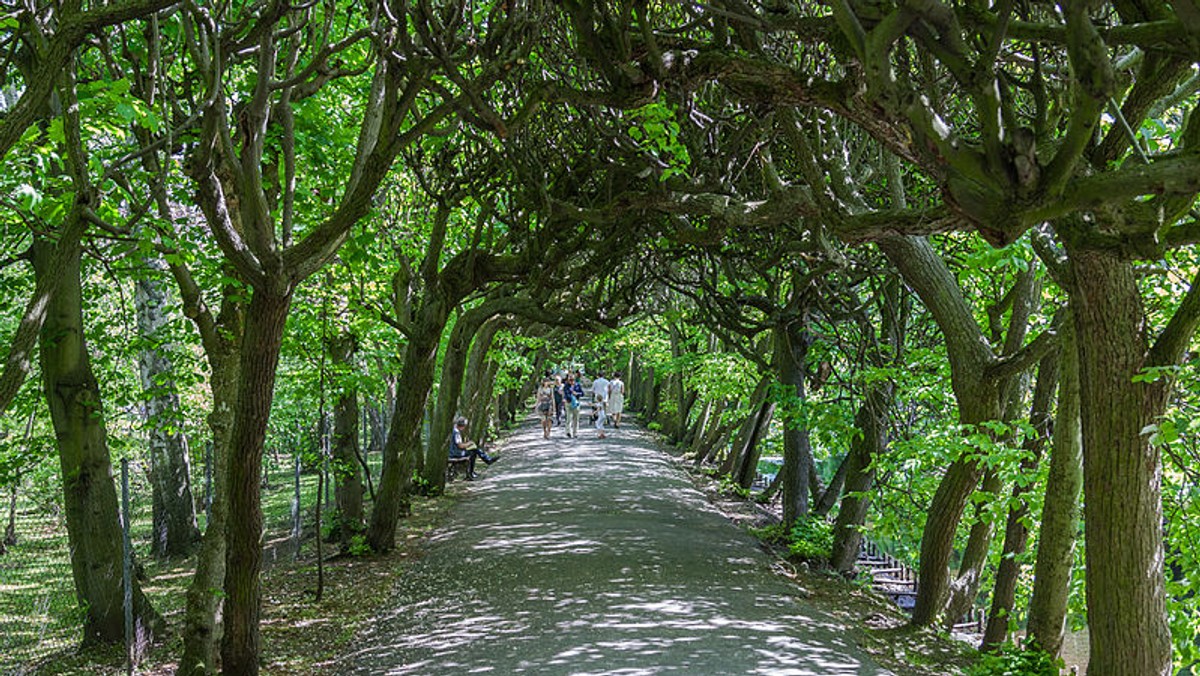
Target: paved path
{"x": 597, "y": 556}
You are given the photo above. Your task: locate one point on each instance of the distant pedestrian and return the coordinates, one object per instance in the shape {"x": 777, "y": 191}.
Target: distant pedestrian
{"x": 559, "y": 401}
{"x": 573, "y": 395}
{"x": 600, "y": 401}
{"x": 598, "y": 407}
{"x": 616, "y": 399}
{"x": 545, "y": 406}
{"x": 600, "y": 388}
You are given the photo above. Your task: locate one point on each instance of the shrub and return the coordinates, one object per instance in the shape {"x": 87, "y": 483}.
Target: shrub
{"x": 811, "y": 539}
{"x": 1010, "y": 660}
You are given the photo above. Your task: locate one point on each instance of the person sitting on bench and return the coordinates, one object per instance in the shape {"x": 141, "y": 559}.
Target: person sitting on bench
{"x": 461, "y": 447}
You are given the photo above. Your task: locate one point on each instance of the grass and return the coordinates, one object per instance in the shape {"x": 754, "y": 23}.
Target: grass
{"x": 40, "y": 620}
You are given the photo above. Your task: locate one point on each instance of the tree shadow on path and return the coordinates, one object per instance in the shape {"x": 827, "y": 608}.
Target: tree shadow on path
{"x": 590, "y": 556}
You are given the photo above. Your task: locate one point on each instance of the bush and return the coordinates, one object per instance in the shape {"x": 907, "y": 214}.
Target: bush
{"x": 1013, "y": 661}
{"x": 811, "y": 539}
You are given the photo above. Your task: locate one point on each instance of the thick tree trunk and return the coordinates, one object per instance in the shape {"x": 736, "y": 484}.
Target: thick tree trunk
{"x": 1061, "y": 509}
{"x": 265, "y": 320}
{"x": 1016, "y": 534}
{"x": 791, "y": 355}
{"x": 404, "y": 434}
{"x": 19, "y": 360}
{"x": 1122, "y": 471}
{"x": 979, "y": 398}
{"x": 174, "y": 512}
{"x": 89, "y": 496}
{"x": 348, "y": 473}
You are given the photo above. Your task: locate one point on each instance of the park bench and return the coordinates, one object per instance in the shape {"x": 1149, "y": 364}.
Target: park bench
{"x": 455, "y": 466}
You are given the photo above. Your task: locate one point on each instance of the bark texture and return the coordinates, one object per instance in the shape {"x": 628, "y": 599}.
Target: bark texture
{"x": 1016, "y": 533}
{"x": 89, "y": 496}
{"x": 1122, "y": 471}
{"x": 174, "y": 513}
{"x": 1061, "y": 509}
{"x": 348, "y": 473}
{"x": 265, "y": 319}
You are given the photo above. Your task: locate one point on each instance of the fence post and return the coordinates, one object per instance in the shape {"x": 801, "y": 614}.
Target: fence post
{"x": 127, "y": 568}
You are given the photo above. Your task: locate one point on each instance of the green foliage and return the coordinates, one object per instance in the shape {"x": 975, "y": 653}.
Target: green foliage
{"x": 359, "y": 546}
{"x": 655, "y": 131}
{"x": 728, "y": 486}
{"x": 1013, "y": 661}
{"x": 811, "y": 539}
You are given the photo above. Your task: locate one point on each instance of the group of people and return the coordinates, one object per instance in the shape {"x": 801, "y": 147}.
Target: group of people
{"x": 561, "y": 395}
{"x": 559, "y": 398}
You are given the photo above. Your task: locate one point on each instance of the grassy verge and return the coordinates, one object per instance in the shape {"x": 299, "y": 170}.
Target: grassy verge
{"x": 39, "y": 619}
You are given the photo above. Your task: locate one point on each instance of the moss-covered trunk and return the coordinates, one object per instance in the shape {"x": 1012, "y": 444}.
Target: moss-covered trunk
{"x": 347, "y": 471}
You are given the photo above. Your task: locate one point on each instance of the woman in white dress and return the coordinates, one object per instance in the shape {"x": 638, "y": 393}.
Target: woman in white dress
{"x": 616, "y": 398}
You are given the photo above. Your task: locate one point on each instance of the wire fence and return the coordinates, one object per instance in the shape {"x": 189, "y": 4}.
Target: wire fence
{"x": 41, "y": 620}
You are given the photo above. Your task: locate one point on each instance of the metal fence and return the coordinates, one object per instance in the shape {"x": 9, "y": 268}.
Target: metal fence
{"x": 40, "y": 619}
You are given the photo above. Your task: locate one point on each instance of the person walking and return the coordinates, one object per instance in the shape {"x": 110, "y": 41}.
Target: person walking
{"x": 573, "y": 394}
{"x": 545, "y": 406}
{"x": 559, "y": 401}
{"x": 616, "y": 399}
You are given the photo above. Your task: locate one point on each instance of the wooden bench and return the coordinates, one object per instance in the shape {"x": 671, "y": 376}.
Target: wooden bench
{"x": 455, "y": 466}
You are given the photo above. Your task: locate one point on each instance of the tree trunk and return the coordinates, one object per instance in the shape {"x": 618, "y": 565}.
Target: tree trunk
{"x": 1061, "y": 510}
{"x": 706, "y": 433}
{"x": 201, "y": 632}
{"x": 450, "y": 391}
{"x": 791, "y": 354}
{"x": 89, "y": 496}
{"x": 174, "y": 513}
{"x": 404, "y": 435}
{"x": 348, "y": 479}
{"x": 748, "y": 463}
{"x": 980, "y": 399}
{"x": 265, "y": 320}
{"x": 870, "y": 442}
{"x": 1122, "y": 471}
{"x": 964, "y": 588}
{"x": 1016, "y": 534}
{"x": 823, "y": 501}
{"x": 479, "y": 404}
{"x": 10, "y": 531}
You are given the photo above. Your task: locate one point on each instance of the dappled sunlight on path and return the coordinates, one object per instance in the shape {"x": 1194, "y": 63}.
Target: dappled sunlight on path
{"x": 597, "y": 556}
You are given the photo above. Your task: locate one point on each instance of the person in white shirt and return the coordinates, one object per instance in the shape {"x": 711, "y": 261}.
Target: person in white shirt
{"x": 616, "y": 399}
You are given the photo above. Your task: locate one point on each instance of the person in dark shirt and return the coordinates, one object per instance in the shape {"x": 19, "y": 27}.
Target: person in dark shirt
{"x": 461, "y": 447}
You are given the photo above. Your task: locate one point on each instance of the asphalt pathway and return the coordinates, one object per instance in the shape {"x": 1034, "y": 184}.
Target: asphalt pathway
{"x": 597, "y": 556}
